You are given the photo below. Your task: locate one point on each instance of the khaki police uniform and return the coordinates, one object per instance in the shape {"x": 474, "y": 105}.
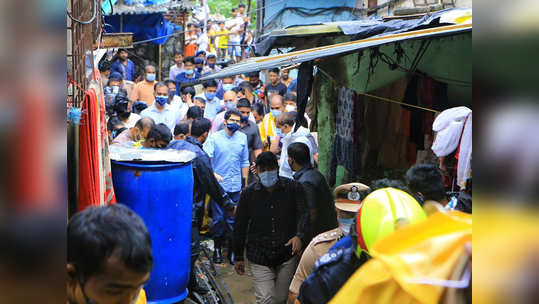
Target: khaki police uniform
{"x": 319, "y": 246}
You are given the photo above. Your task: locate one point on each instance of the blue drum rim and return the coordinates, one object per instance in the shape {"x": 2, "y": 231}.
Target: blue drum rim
{"x": 147, "y": 164}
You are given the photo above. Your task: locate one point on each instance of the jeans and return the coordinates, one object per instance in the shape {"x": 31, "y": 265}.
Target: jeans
{"x": 222, "y": 220}
{"x": 234, "y": 48}
{"x": 271, "y": 284}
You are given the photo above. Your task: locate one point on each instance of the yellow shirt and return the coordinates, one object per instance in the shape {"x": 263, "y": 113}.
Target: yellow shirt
{"x": 222, "y": 41}
{"x": 141, "y": 297}
{"x": 267, "y": 128}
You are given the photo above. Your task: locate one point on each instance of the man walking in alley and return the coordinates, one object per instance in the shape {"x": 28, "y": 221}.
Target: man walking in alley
{"x": 229, "y": 152}
{"x": 143, "y": 90}
{"x": 161, "y": 111}
{"x": 318, "y": 198}
{"x": 124, "y": 65}
{"x": 270, "y": 223}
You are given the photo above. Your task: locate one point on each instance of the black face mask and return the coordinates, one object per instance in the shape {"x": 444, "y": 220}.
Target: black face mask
{"x": 124, "y": 115}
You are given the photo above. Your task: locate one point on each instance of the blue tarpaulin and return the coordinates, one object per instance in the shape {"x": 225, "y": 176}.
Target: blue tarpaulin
{"x": 143, "y": 27}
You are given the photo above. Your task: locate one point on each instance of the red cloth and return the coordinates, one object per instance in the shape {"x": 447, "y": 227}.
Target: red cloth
{"x": 89, "y": 182}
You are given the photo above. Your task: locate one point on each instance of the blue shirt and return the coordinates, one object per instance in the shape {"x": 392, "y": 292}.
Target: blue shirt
{"x": 293, "y": 86}
{"x": 168, "y": 116}
{"x": 212, "y": 107}
{"x": 127, "y": 71}
{"x": 182, "y": 77}
{"x": 229, "y": 154}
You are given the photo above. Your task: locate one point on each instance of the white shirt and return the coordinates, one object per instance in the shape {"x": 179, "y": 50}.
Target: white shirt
{"x": 301, "y": 135}
{"x": 177, "y": 104}
{"x": 235, "y": 26}
{"x": 175, "y": 71}
{"x": 132, "y": 120}
{"x": 168, "y": 115}
{"x": 203, "y": 42}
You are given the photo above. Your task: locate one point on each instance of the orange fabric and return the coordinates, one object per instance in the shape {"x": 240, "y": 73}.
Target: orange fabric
{"x": 143, "y": 91}
{"x": 89, "y": 182}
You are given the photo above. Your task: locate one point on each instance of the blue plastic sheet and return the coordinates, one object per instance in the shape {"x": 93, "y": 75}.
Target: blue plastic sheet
{"x": 143, "y": 27}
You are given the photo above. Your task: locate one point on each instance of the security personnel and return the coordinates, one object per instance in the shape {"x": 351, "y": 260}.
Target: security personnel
{"x": 376, "y": 218}
{"x": 319, "y": 246}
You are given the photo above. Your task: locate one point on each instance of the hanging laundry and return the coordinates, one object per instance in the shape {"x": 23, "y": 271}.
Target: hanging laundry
{"x": 345, "y": 150}
{"x": 453, "y": 129}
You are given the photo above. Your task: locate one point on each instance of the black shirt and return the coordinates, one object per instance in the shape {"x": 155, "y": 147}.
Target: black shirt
{"x": 280, "y": 89}
{"x": 267, "y": 220}
{"x": 318, "y": 200}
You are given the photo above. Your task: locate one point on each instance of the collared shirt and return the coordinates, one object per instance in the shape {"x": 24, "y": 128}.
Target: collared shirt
{"x": 127, "y": 71}
{"x": 182, "y": 77}
{"x": 168, "y": 116}
{"x": 267, "y": 128}
{"x": 175, "y": 71}
{"x": 212, "y": 107}
{"x": 302, "y": 135}
{"x": 229, "y": 154}
{"x": 266, "y": 221}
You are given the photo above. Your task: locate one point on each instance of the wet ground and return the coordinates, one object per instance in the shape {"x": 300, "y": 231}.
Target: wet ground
{"x": 240, "y": 287}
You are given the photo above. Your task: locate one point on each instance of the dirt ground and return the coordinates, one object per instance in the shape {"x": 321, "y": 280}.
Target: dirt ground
{"x": 240, "y": 287}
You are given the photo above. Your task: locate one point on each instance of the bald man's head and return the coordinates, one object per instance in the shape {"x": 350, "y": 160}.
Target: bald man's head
{"x": 230, "y": 96}
{"x": 276, "y": 101}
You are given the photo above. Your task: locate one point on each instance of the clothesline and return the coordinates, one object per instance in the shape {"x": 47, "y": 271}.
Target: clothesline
{"x": 378, "y": 97}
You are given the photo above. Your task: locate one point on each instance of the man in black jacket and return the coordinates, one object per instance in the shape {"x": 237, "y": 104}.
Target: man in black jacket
{"x": 204, "y": 183}
{"x": 318, "y": 198}
{"x": 270, "y": 223}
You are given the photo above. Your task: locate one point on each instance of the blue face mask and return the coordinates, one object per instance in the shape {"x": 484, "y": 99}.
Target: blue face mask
{"x": 268, "y": 178}
{"x": 280, "y": 133}
{"x": 150, "y": 76}
{"x": 227, "y": 87}
{"x": 161, "y": 100}
{"x": 230, "y": 105}
{"x": 199, "y": 70}
{"x": 232, "y": 127}
{"x": 210, "y": 96}
{"x": 189, "y": 72}
{"x": 211, "y": 65}
{"x": 244, "y": 119}
{"x": 171, "y": 93}
{"x": 276, "y": 113}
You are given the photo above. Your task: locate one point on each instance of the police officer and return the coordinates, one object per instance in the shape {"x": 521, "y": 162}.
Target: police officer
{"x": 320, "y": 245}
{"x": 376, "y": 218}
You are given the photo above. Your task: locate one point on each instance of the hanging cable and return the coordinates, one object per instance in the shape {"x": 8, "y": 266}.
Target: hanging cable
{"x": 85, "y": 22}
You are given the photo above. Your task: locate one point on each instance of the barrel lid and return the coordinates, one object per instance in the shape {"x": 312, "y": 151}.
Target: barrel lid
{"x": 122, "y": 153}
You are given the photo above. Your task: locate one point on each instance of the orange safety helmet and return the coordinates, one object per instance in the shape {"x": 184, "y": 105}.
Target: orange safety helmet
{"x": 380, "y": 211}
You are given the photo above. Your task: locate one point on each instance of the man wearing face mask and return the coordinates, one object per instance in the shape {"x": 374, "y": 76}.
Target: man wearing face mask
{"x": 321, "y": 244}
{"x": 109, "y": 256}
{"x": 229, "y": 152}
{"x": 214, "y": 105}
{"x": 271, "y": 223}
{"x": 268, "y": 128}
{"x": 113, "y": 88}
{"x": 291, "y": 105}
{"x": 143, "y": 91}
{"x": 121, "y": 107}
{"x": 211, "y": 66}
{"x": 189, "y": 74}
{"x": 230, "y": 100}
{"x": 161, "y": 111}
{"x": 135, "y": 134}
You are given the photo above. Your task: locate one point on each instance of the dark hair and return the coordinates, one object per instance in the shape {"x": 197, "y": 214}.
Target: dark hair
{"x": 121, "y": 50}
{"x": 220, "y": 22}
{"x": 189, "y": 59}
{"x": 388, "y": 183}
{"x": 96, "y": 233}
{"x": 188, "y": 90}
{"x": 243, "y": 103}
{"x": 275, "y": 70}
{"x": 211, "y": 56}
{"x": 200, "y": 126}
{"x": 300, "y": 153}
{"x": 200, "y": 52}
{"x": 114, "y": 122}
{"x": 199, "y": 99}
{"x": 290, "y": 97}
{"x": 116, "y": 76}
{"x": 233, "y": 9}
{"x": 246, "y": 86}
{"x": 194, "y": 112}
{"x": 238, "y": 89}
{"x": 178, "y": 53}
{"x": 181, "y": 128}
{"x": 266, "y": 161}
{"x": 105, "y": 65}
{"x": 169, "y": 81}
{"x": 258, "y": 108}
{"x": 160, "y": 132}
{"x": 145, "y": 123}
{"x": 209, "y": 83}
{"x": 241, "y": 5}
{"x": 254, "y": 74}
{"x": 159, "y": 84}
{"x": 232, "y": 112}
{"x": 427, "y": 179}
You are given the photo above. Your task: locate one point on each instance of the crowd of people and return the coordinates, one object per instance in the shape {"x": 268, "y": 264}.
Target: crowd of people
{"x": 272, "y": 212}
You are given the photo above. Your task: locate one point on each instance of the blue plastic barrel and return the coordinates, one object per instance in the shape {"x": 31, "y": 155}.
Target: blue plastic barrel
{"x": 162, "y": 194}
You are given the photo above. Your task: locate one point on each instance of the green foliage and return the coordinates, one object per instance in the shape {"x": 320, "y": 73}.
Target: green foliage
{"x": 223, "y": 7}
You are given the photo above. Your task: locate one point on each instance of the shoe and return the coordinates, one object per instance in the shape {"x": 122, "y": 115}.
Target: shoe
{"x": 231, "y": 257}
{"x": 217, "y": 256}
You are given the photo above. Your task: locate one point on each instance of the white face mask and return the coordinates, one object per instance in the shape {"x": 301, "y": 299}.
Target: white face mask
{"x": 345, "y": 225}
{"x": 291, "y": 108}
